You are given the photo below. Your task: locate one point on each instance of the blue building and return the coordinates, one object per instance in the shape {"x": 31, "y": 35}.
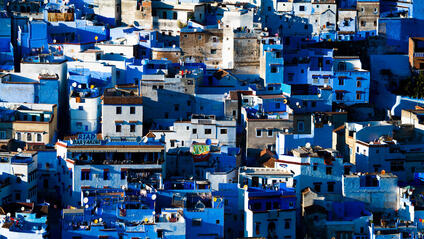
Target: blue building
{"x": 119, "y": 213}
{"x": 351, "y": 83}
{"x": 6, "y": 48}
{"x": 32, "y": 38}
{"x": 272, "y": 65}
{"x": 76, "y": 32}
{"x": 24, "y": 220}
{"x": 203, "y": 212}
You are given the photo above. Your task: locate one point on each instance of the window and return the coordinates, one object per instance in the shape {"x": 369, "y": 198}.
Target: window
{"x": 214, "y": 39}
{"x": 132, "y": 110}
{"x": 363, "y": 23}
{"x": 176, "y": 107}
{"x": 85, "y": 175}
{"x": 18, "y": 136}
{"x": 123, "y": 174}
{"x": 29, "y": 137}
{"x": 258, "y": 133}
{"x": 208, "y": 131}
{"x": 375, "y": 23}
{"x": 39, "y": 138}
{"x": 315, "y": 167}
{"x": 118, "y": 110}
{"x": 164, "y": 15}
{"x": 341, "y": 81}
{"x": 274, "y": 69}
{"x": 117, "y": 128}
{"x": 196, "y": 222}
{"x": 80, "y": 107}
{"x": 172, "y": 143}
{"x": 194, "y": 131}
{"x": 300, "y": 126}
{"x": 287, "y": 224}
{"x": 358, "y": 96}
{"x": 174, "y": 15}
{"x": 396, "y": 165}
{"x": 277, "y": 105}
{"x": 270, "y": 132}
{"x": 132, "y": 128}
{"x": 302, "y": 8}
{"x": 199, "y": 37}
{"x": 313, "y": 104}
{"x": 105, "y": 174}
{"x": 268, "y": 206}
{"x": 328, "y": 170}
{"x": 339, "y": 95}
{"x": 330, "y": 187}
{"x": 358, "y": 83}
{"x": 317, "y": 187}
{"x": 341, "y": 66}
{"x": 257, "y": 228}
{"x": 223, "y": 131}
{"x": 18, "y": 196}
{"x": 213, "y": 51}
{"x": 188, "y": 102}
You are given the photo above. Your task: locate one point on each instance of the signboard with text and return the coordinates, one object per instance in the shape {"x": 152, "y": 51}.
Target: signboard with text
{"x": 86, "y": 139}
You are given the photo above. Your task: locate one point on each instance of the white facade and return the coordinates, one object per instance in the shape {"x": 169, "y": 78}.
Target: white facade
{"x": 130, "y": 120}
{"x": 264, "y": 177}
{"x": 185, "y": 133}
{"x": 85, "y": 114}
{"x": 21, "y": 169}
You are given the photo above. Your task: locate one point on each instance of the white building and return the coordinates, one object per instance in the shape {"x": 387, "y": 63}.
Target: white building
{"x": 122, "y": 114}
{"x": 85, "y": 110}
{"x": 199, "y": 129}
{"x": 21, "y": 169}
{"x": 264, "y": 177}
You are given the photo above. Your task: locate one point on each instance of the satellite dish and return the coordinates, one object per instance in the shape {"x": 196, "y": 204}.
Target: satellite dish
{"x": 136, "y": 24}
{"x": 19, "y": 150}
{"x": 8, "y": 214}
{"x": 108, "y": 139}
{"x": 86, "y": 206}
{"x": 74, "y": 84}
{"x": 22, "y": 208}
{"x": 154, "y": 197}
{"x": 85, "y": 200}
{"x": 100, "y": 219}
{"x": 208, "y": 141}
{"x": 308, "y": 145}
{"x": 138, "y": 139}
{"x": 79, "y": 86}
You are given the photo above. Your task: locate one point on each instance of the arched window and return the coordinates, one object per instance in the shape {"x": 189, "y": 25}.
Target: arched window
{"x": 29, "y": 137}
{"x": 271, "y": 230}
